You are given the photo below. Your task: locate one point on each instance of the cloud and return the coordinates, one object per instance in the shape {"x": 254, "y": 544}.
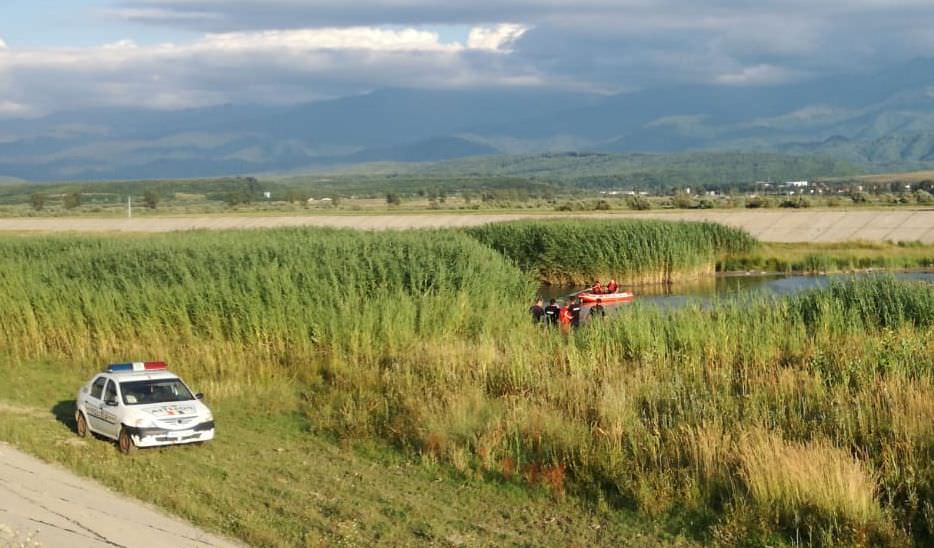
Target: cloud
{"x": 757, "y": 75}
{"x": 497, "y": 38}
{"x": 2, "y": 44}
{"x": 295, "y": 50}
{"x": 621, "y": 43}
{"x": 281, "y": 66}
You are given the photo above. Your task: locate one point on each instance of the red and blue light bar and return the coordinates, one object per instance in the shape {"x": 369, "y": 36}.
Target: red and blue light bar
{"x": 136, "y": 367}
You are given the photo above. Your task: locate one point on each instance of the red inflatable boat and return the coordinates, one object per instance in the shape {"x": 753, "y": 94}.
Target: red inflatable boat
{"x": 622, "y": 296}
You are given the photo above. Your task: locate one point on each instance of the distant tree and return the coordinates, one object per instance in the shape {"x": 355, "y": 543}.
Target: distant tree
{"x": 860, "y": 197}
{"x": 602, "y": 205}
{"x": 336, "y": 200}
{"x": 682, "y": 200}
{"x": 393, "y": 199}
{"x": 72, "y": 200}
{"x": 924, "y": 197}
{"x": 237, "y": 197}
{"x": 294, "y": 196}
{"x": 151, "y": 199}
{"x": 37, "y": 199}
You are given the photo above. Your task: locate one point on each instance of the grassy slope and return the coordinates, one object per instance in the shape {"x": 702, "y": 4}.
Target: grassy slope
{"x": 268, "y": 481}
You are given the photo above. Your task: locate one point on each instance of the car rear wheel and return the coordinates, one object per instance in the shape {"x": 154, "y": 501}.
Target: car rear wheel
{"x": 125, "y": 442}
{"x": 81, "y": 424}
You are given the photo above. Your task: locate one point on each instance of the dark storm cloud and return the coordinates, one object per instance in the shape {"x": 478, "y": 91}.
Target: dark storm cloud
{"x": 621, "y": 43}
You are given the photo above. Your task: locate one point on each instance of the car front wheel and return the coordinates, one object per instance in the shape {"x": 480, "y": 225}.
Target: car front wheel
{"x": 125, "y": 442}
{"x": 81, "y": 424}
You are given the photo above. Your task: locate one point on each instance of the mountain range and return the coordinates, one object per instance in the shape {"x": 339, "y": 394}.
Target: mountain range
{"x": 882, "y": 120}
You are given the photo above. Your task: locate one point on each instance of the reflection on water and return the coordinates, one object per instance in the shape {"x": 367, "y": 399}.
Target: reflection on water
{"x": 726, "y": 287}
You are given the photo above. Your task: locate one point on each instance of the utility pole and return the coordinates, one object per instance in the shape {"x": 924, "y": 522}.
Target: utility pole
{"x": 129, "y": 207}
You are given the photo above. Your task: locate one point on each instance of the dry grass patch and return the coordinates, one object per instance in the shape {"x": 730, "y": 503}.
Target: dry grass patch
{"x": 811, "y": 486}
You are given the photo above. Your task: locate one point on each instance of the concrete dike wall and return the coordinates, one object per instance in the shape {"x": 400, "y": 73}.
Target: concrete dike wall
{"x": 774, "y": 225}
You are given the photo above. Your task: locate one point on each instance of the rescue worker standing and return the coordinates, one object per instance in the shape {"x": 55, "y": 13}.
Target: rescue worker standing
{"x": 552, "y": 311}
{"x": 575, "y": 311}
{"x": 565, "y": 318}
{"x": 537, "y": 311}
{"x": 598, "y": 310}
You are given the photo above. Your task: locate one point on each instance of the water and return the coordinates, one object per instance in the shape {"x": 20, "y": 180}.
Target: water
{"x": 726, "y": 287}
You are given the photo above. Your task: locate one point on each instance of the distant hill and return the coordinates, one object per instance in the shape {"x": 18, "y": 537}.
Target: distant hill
{"x": 882, "y": 121}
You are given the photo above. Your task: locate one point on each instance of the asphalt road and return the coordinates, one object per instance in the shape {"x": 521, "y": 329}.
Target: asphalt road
{"x": 823, "y": 225}
{"x": 44, "y": 505}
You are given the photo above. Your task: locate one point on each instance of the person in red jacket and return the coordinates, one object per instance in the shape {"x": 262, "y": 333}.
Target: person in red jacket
{"x": 596, "y": 288}
{"x": 564, "y": 318}
{"x": 612, "y": 287}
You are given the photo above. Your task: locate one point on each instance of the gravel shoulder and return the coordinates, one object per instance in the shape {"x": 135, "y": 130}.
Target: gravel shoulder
{"x": 45, "y": 505}
{"x": 828, "y": 225}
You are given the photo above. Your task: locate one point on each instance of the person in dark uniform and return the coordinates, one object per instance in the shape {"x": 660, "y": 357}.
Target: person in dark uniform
{"x": 575, "y": 309}
{"x": 597, "y": 310}
{"x": 538, "y": 312}
{"x": 551, "y": 313}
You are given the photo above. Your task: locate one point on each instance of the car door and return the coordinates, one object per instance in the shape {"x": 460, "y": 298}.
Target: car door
{"x": 110, "y": 410}
{"x": 93, "y": 404}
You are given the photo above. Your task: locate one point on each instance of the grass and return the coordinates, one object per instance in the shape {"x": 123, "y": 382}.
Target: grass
{"x": 420, "y": 341}
{"x": 268, "y": 481}
{"x": 632, "y": 251}
{"x": 810, "y": 482}
{"x": 831, "y": 257}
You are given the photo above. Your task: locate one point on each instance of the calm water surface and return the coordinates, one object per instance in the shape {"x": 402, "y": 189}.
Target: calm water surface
{"x": 727, "y": 287}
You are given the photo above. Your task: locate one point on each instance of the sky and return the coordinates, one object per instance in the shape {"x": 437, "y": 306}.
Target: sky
{"x": 60, "y": 55}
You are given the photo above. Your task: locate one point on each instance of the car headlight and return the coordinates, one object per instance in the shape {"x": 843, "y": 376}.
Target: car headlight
{"x": 144, "y": 422}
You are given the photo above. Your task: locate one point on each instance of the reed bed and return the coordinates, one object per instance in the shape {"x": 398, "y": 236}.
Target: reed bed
{"x": 760, "y": 422}
{"x": 632, "y": 251}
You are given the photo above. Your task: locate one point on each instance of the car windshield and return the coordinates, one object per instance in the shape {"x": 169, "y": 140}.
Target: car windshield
{"x": 157, "y": 391}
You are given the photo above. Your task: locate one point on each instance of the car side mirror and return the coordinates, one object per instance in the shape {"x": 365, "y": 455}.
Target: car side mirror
{"x": 199, "y": 396}
{"x": 111, "y": 403}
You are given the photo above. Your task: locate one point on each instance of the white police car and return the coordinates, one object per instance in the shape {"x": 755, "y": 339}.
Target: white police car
{"x": 142, "y": 404}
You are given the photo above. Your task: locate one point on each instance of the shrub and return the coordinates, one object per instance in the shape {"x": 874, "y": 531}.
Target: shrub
{"x": 756, "y": 202}
{"x": 796, "y": 202}
{"x": 682, "y": 200}
{"x": 638, "y": 203}
{"x": 72, "y": 200}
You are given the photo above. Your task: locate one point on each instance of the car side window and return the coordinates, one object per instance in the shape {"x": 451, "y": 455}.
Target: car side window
{"x": 98, "y": 387}
{"x": 111, "y": 393}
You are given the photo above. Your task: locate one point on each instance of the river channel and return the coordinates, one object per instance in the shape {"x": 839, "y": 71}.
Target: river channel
{"x": 726, "y": 287}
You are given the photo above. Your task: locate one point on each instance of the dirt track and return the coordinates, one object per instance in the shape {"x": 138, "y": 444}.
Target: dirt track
{"x": 827, "y": 225}
{"x": 44, "y": 505}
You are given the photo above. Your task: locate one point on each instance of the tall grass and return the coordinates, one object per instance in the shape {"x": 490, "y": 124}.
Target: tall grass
{"x": 422, "y": 339}
{"x": 632, "y": 251}
{"x": 250, "y": 305}
{"x": 831, "y": 257}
